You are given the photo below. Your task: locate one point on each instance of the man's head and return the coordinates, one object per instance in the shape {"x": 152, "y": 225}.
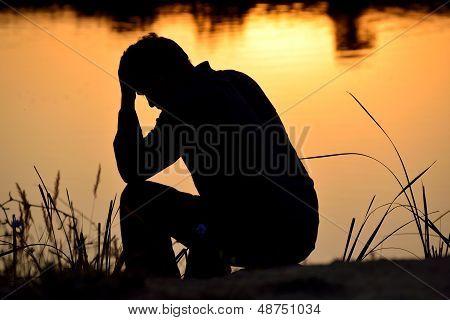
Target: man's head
{"x": 154, "y": 66}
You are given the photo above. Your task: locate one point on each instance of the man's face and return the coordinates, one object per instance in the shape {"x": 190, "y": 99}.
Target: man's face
{"x": 156, "y": 90}
{"x": 153, "y": 86}
{"x": 152, "y": 103}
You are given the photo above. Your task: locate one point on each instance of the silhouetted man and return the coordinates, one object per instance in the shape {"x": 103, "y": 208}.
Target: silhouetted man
{"x": 256, "y": 207}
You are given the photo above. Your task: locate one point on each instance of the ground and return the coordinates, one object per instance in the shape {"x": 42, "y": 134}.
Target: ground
{"x": 379, "y": 279}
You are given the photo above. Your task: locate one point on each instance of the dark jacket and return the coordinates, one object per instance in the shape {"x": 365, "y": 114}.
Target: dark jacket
{"x": 228, "y": 134}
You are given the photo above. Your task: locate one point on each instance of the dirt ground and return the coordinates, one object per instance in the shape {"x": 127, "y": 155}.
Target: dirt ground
{"x": 370, "y": 280}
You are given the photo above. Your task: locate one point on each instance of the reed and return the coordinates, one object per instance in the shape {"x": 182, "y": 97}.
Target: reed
{"x": 425, "y": 227}
{"x": 61, "y": 244}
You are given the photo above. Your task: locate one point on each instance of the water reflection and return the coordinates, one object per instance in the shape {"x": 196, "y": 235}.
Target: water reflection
{"x": 351, "y": 32}
{"x": 290, "y": 48}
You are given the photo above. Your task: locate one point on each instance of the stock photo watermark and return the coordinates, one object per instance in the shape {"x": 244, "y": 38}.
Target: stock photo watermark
{"x": 228, "y": 150}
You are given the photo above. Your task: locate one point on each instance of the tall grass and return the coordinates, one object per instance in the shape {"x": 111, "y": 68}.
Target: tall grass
{"x": 425, "y": 226}
{"x": 61, "y": 244}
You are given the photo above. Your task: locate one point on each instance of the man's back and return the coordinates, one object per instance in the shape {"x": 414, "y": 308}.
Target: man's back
{"x": 238, "y": 144}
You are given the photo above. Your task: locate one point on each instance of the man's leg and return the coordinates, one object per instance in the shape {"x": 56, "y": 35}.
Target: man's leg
{"x": 150, "y": 214}
{"x": 274, "y": 230}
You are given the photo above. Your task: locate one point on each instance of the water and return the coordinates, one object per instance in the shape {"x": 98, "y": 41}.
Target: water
{"x": 59, "y": 98}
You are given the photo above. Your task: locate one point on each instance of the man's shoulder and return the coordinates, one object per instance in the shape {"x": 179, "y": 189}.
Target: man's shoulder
{"x": 242, "y": 81}
{"x": 235, "y": 75}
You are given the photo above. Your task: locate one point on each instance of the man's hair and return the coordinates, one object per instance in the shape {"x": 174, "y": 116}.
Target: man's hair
{"x": 151, "y": 55}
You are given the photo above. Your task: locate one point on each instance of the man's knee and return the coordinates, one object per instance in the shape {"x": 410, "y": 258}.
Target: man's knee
{"x": 138, "y": 193}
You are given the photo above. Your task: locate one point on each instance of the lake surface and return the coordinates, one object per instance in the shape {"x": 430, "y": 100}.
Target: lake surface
{"x": 59, "y": 98}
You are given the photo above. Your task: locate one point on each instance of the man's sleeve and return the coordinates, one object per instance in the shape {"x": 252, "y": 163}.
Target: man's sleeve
{"x": 138, "y": 157}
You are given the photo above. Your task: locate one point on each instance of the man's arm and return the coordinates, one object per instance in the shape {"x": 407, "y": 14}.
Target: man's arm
{"x": 139, "y": 158}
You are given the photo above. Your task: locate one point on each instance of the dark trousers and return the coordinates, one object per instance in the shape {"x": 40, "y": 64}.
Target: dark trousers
{"x": 218, "y": 235}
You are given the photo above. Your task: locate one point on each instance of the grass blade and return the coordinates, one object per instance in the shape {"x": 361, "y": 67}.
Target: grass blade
{"x": 403, "y": 166}
{"x": 366, "y": 217}
{"x": 366, "y": 246}
{"x": 348, "y": 238}
{"x": 427, "y": 229}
